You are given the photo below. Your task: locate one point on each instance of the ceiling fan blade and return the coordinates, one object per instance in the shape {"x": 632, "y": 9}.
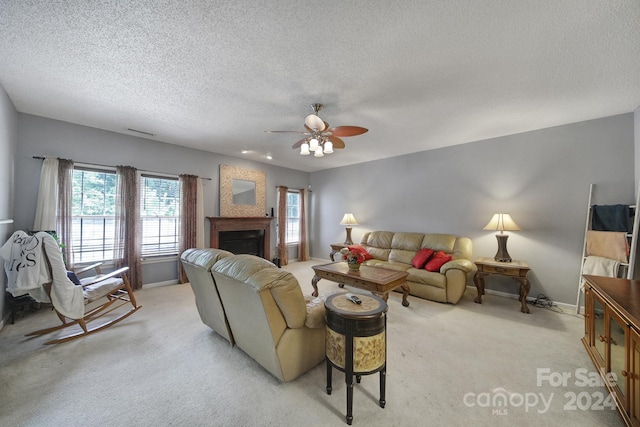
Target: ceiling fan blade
{"x": 337, "y": 142}
{"x": 298, "y": 144}
{"x": 314, "y": 122}
{"x": 348, "y": 130}
{"x": 287, "y": 131}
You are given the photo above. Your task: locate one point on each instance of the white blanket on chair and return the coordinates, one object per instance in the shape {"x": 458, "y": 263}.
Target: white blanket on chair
{"x": 25, "y": 262}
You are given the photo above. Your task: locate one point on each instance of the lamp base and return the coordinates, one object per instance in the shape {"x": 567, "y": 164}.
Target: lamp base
{"x": 348, "y": 241}
{"x": 502, "y": 255}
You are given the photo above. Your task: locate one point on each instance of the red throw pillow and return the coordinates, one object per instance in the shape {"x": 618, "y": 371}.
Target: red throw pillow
{"x": 437, "y": 260}
{"x": 422, "y": 257}
{"x": 361, "y": 249}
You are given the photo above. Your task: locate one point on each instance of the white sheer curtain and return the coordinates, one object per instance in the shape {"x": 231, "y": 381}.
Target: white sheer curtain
{"x": 47, "y": 196}
{"x": 200, "y": 216}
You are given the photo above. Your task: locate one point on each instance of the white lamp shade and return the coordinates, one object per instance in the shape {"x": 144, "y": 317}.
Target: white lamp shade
{"x": 328, "y": 147}
{"x": 304, "y": 149}
{"x": 318, "y": 153}
{"x": 313, "y": 144}
{"x": 502, "y": 222}
{"x": 348, "y": 219}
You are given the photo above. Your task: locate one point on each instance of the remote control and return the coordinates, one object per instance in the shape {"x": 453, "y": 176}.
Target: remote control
{"x": 354, "y": 299}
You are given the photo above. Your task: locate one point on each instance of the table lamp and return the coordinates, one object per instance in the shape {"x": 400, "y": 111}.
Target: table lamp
{"x": 501, "y": 222}
{"x": 348, "y": 219}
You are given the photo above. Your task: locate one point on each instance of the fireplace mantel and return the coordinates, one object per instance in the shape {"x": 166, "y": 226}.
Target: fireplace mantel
{"x": 223, "y": 223}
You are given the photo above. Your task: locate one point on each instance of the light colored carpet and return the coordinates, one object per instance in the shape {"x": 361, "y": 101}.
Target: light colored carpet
{"x": 163, "y": 366}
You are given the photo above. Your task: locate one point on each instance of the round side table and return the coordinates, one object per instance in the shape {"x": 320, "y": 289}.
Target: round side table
{"x": 356, "y": 341}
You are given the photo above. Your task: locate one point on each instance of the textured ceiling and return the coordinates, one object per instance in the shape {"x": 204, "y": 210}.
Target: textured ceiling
{"x": 214, "y": 75}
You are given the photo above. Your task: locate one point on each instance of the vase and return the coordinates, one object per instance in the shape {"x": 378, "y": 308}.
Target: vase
{"x": 354, "y": 266}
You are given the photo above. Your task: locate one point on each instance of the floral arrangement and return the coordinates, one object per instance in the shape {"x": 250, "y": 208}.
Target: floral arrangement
{"x": 352, "y": 256}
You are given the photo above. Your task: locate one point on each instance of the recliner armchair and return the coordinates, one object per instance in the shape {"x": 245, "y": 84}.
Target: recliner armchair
{"x": 267, "y": 315}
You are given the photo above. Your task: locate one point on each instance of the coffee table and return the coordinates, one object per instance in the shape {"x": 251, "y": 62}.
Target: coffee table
{"x": 377, "y": 280}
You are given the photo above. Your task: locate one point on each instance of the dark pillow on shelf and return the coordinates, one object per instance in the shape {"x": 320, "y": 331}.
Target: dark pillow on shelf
{"x": 421, "y": 258}
{"x": 361, "y": 249}
{"x": 437, "y": 260}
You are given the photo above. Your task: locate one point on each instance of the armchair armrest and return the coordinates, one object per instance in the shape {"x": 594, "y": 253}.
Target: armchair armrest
{"x": 315, "y": 313}
{"x": 97, "y": 279}
{"x": 458, "y": 264}
{"x": 95, "y": 266}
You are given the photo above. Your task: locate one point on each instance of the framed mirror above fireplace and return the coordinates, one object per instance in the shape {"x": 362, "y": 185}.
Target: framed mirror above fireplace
{"x": 242, "y": 192}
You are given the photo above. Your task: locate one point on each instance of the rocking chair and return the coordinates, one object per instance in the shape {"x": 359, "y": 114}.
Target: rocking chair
{"x": 74, "y": 303}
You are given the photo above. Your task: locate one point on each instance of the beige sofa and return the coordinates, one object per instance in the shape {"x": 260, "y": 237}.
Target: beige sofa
{"x": 397, "y": 250}
{"x": 261, "y": 307}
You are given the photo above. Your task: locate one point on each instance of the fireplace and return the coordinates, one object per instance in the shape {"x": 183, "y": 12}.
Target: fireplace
{"x": 242, "y": 242}
{"x": 246, "y": 235}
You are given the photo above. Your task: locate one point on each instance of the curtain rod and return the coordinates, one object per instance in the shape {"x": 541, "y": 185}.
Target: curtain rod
{"x": 109, "y": 166}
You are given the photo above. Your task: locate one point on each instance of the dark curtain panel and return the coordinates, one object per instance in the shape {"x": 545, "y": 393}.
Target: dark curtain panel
{"x": 303, "y": 249}
{"x": 127, "y": 235}
{"x": 282, "y": 225}
{"x": 65, "y": 200}
{"x": 188, "y": 218}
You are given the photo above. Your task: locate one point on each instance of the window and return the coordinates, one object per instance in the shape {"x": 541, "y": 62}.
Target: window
{"x": 159, "y": 216}
{"x": 94, "y": 201}
{"x": 293, "y": 217}
{"x": 94, "y": 206}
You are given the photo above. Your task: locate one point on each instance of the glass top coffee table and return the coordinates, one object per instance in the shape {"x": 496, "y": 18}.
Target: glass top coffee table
{"x": 377, "y": 280}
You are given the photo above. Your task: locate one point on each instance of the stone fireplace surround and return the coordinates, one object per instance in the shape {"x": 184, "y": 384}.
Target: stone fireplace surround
{"x": 224, "y": 224}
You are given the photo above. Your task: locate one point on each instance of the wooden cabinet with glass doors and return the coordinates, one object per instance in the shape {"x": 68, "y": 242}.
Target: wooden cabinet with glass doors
{"x": 612, "y": 339}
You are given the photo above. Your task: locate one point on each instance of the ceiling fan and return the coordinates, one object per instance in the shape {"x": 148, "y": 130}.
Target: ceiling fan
{"x": 320, "y": 139}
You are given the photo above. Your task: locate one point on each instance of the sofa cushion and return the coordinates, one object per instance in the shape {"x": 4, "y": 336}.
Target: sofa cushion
{"x": 421, "y": 257}
{"x": 425, "y": 277}
{"x": 407, "y": 241}
{"x": 379, "y": 239}
{"x": 439, "y": 242}
{"x": 437, "y": 260}
{"x": 399, "y": 266}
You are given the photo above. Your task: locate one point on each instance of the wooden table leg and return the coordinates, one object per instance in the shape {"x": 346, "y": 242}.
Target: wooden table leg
{"x": 478, "y": 279}
{"x": 405, "y": 294}
{"x": 314, "y": 283}
{"x": 329, "y": 377}
{"x": 383, "y": 383}
{"x": 524, "y": 291}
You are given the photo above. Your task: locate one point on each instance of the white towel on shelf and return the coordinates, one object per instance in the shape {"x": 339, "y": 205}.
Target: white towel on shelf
{"x": 600, "y": 266}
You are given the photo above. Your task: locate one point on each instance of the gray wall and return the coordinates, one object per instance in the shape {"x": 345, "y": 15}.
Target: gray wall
{"x": 636, "y": 120}
{"x": 541, "y": 178}
{"x": 38, "y": 136}
{"x": 8, "y": 144}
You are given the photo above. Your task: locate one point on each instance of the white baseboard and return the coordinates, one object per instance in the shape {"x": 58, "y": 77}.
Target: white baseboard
{"x": 157, "y": 284}
{"x": 565, "y": 307}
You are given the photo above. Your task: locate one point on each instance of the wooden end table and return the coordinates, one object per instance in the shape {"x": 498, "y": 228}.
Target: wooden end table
{"x": 356, "y": 342}
{"x": 379, "y": 281}
{"x": 517, "y": 270}
{"x": 335, "y": 248}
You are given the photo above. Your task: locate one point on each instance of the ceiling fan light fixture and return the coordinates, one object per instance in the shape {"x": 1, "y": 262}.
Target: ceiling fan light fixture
{"x": 328, "y": 147}
{"x": 318, "y": 153}
{"x": 304, "y": 149}
{"x": 314, "y": 122}
{"x": 313, "y": 144}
